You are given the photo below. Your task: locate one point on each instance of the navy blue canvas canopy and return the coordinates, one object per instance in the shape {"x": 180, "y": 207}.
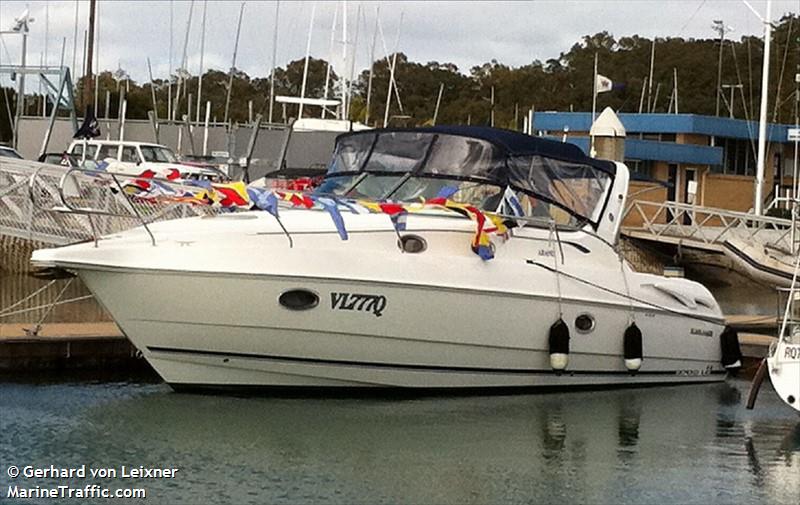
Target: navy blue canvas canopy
{"x": 510, "y": 142}
{"x": 553, "y": 172}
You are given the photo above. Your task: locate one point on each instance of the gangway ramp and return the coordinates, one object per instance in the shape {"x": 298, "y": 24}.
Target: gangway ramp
{"x": 762, "y": 247}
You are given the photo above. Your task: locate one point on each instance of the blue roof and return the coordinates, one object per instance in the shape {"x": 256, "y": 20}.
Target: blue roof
{"x": 636, "y": 149}
{"x": 664, "y": 123}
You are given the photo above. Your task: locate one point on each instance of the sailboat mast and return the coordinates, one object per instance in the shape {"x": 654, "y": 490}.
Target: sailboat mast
{"x": 650, "y": 77}
{"x": 353, "y": 60}
{"x": 182, "y": 70}
{"x": 233, "y": 63}
{"x": 438, "y": 103}
{"x": 762, "y": 122}
{"x": 330, "y": 58}
{"x": 308, "y": 56}
{"x": 353, "y": 63}
{"x": 169, "y": 74}
{"x": 372, "y": 63}
{"x": 46, "y": 34}
{"x": 95, "y": 89}
{"x": 202, "y": 54}
{"x": 675, "y": 80}
{"x": 88, "y": 82}
{"x": 342, "y": 79}
{"x": 274, "y": 61}
{"x": 392, "y": 83}
{"x": 75, "y": 40}
{"x": 152, "y": 93}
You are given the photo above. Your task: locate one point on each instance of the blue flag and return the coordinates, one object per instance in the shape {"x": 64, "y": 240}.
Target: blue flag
{"x": 264, "y": 200}
{"x": 399, "y": 221}
{"x": 333, "y": 209}
{"x": 511, "y": 198}
{"x": 447, "y": 192}
{"x": 198, "y": 183}
{"x": 485, "y": 252}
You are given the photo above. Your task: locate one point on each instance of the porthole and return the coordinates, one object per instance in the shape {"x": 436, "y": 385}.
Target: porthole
{"x": 412, "y": 244}
{"x": 790, "y": 399}
{"x": 584, "y": 323}
{"x": 299, "y": 299}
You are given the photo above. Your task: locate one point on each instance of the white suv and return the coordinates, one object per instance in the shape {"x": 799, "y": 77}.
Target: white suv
{"x": 133, "y": 158}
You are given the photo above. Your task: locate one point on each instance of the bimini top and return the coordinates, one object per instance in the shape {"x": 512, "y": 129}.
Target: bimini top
{"x": 378, "y": 163}
{"x": 511, "y": 142}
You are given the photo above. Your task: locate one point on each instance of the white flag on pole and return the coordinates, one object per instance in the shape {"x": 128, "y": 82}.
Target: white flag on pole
{"x": 602, "y": 84}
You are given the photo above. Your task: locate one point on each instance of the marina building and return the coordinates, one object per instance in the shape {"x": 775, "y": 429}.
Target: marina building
{"x": 687, "y": 158}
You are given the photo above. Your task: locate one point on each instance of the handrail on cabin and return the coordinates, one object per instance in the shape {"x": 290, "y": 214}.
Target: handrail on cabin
{"x": 87, "y": 211}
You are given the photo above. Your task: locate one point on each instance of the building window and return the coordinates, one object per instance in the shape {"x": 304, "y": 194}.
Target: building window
{"x": 737, "y": 157}
{"x": 640, "y": 167}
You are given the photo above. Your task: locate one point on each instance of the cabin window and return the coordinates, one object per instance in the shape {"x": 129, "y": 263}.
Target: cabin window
{"x": 399, "y": 152}
{"x": 463, "y": 157}
{"x": 579, "y": 189}
{"x": 350, "y": 153}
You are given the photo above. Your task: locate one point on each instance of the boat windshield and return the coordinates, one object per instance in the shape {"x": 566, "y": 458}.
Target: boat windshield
{"x": 158, "y": 154}
{"x": 410, "y": 166}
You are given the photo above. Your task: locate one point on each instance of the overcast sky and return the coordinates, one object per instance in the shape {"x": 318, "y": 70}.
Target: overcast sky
{"x": 464, "y": 33}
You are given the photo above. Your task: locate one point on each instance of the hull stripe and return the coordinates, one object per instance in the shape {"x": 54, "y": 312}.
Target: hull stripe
{"x": 407, "y": 366}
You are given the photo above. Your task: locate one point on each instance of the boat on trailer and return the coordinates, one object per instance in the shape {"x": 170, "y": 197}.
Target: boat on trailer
{"x": 436, "y": 258}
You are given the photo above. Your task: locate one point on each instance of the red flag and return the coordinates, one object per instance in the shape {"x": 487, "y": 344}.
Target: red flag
{"x": 391, "y": 208}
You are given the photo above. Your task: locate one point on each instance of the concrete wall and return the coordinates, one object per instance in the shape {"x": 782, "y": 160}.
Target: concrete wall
{"x": 306, "y": 149}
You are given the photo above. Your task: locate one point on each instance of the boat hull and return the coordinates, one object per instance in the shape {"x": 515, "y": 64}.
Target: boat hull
{"x": 422, "y": 337}
{"x": 784, "y": 372}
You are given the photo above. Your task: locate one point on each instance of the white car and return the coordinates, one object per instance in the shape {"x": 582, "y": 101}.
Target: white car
{"x": 133, "y": 158}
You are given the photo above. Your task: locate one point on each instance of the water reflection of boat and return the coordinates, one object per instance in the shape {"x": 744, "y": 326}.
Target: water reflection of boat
{"x": 636, "y": 444}
{"x": 411, "y": 305}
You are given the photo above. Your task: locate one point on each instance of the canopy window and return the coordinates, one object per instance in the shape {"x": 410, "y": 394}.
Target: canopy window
{"x": 473, "y": 165}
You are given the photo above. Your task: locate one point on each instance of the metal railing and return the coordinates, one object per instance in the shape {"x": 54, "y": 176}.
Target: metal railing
{"x": 60, "y": 205}
{"x": 709, "y": 226}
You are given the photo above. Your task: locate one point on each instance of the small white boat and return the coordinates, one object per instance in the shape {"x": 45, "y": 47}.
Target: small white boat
{"x": 783, "y": 359}
{"x": 232, "y": 302}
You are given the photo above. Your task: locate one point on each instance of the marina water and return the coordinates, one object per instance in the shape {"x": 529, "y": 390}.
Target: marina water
{"x": 687, "y": 444}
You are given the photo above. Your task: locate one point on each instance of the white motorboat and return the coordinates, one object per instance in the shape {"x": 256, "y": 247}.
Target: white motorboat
{"x": 783, "y": 358}
{"x": 246, "y": 299}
